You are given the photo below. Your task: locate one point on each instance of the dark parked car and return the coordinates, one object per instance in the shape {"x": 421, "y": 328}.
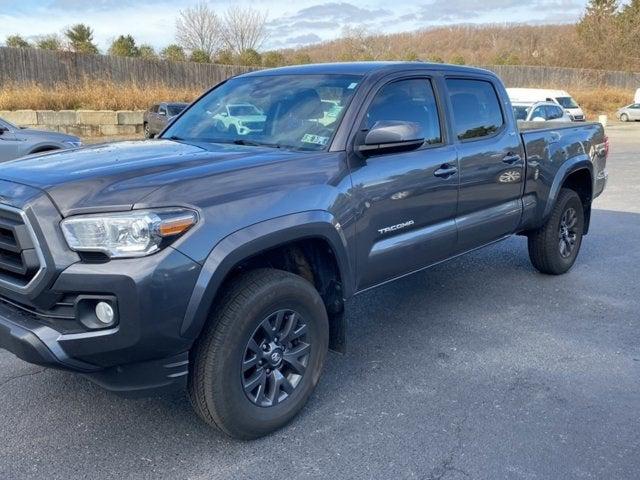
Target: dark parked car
{"x": 221, "y": 262}
{"x": 158, "y": 117}
{"x": 16, "y": 142}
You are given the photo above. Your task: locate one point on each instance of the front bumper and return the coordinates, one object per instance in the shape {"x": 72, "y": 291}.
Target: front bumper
{"x": 38, "y": 344}
{"x": 143, "y": 352}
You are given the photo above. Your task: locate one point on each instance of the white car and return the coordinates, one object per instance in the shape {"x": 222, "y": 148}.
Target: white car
{"x": 637, "y": 97}
{"x": 540, "y": 112}
{"x": 559, "y": 97}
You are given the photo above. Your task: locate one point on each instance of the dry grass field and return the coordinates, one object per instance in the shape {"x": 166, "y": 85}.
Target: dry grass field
{"x": 109, "y": 96}
{"x": 90, "y": 96}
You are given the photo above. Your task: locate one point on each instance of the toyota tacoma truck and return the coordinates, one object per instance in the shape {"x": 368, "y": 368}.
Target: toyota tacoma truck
{"x": 221, "y": 263}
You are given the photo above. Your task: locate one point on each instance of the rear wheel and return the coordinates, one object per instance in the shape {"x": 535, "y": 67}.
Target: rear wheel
{"x": 261, "y": 354}
{"x": 554, "y": 247}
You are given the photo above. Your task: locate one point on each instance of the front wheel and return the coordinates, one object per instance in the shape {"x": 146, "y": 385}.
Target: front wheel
{"x": 147, "y": 131}
{"x": 260, "y": 355}
{"x": 624, "y": 117}
{"x": 554, "y": 247}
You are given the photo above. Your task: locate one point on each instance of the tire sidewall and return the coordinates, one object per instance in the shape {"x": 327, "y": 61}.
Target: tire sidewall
{"x": 567, "y": 201}
{"x": 224, "y": 380}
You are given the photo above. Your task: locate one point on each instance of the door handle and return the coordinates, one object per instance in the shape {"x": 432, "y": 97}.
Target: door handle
{"x": 445, "y": 171}
{"x": 511, "y": 159}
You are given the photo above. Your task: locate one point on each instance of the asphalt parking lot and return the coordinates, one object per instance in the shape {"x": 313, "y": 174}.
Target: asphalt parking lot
{"x": 479, "y": 368}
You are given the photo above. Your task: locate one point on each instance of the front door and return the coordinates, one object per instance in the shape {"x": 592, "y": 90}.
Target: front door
{"x": 491, "y": 163}
{"x": 407, "y": 199}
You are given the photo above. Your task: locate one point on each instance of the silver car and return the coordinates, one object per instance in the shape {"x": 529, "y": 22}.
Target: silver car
{"x": 16, "y": 142}
{"x": 540, "y": 112}
{"x": 629, "y": 113}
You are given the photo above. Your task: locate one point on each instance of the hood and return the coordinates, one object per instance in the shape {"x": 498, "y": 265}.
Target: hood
{"x": 45, "y": 135}
{"x": 115, "y": 176}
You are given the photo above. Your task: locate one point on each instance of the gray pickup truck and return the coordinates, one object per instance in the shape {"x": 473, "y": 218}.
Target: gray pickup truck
{"x": 221, "y": 262}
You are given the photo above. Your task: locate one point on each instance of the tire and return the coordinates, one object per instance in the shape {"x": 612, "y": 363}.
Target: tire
{"x": 147, "y": 131}
{"x": 554, "y": 247}
{"x": 233, "y": 131}
{"x": 219, "y": 367}
{"x": 624, "y": 117}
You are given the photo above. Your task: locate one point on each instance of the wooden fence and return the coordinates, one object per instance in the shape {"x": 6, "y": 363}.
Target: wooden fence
{"x": 24, "y": 66}
{"x": 29, "y": 65}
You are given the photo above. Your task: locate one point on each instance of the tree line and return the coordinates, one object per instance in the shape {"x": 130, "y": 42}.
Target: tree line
{"x": 607, "y": 36}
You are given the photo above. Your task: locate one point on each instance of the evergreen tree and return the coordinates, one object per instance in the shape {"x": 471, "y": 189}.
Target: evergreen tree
{"x": 80, "y": 38}
{"x": 16, "y": 41}
{"x": 124, "y": 46}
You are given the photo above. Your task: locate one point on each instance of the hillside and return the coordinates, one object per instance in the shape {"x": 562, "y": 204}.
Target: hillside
{"x": 548, "y": 45}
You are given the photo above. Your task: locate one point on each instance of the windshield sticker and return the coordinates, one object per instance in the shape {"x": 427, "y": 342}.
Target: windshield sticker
{"x": 352, "y": 86}
{"x": 315, "y": 139}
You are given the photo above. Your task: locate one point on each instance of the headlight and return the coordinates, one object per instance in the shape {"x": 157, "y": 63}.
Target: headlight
{"x": 128, "y": 234}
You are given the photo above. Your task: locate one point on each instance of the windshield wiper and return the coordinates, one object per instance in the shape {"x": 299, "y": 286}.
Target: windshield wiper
{"x": 177, "y": 139}
{"x": 252, "y": 143}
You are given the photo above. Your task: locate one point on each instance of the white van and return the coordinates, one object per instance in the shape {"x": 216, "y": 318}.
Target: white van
{"x": 560, "y": 97}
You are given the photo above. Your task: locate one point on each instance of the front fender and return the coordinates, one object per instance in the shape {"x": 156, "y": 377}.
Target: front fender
{"x": 252, "y": 240}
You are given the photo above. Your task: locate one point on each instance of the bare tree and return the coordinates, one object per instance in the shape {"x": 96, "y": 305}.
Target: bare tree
{"x": 199, "y": 28}
{"x": 244, "y": 29}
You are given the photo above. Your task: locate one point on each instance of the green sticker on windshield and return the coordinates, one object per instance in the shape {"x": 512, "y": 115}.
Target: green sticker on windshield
{"x": 315, "y": 139}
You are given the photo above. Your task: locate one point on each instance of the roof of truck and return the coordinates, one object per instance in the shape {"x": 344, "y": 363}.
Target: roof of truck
{"x": 362, "y": 68}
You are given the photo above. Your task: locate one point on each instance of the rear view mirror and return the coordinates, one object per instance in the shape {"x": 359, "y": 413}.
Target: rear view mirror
{"x": 392, "y": 136}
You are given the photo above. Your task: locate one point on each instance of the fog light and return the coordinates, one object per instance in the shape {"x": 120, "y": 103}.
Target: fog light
{"x": 105, "y": 313}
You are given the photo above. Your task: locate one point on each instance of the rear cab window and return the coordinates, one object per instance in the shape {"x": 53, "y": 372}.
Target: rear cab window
{"x": 475, "y": 107}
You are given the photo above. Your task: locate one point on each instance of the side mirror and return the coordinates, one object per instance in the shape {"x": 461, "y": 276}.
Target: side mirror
{"x": 3, "y": 129}
{"x": 391, "y": 136}
{"x": 162, "y": 113}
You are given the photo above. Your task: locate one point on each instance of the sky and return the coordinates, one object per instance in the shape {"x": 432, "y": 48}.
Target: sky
{"x": 290, "y": 24}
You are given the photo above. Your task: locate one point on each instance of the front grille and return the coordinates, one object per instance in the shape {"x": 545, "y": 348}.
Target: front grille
{"x": 20, "y": 257}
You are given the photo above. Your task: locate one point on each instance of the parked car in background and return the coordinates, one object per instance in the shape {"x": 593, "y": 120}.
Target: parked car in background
{"x": 540, "y": 112}
{"x": 559, "y": 97}
{"x": 158, "y": 117}
{"x": 16, "y": 142}
{"x": 630, "y": 113}
{"x": 240, "y": 119}
{"x": 637, "y": 97}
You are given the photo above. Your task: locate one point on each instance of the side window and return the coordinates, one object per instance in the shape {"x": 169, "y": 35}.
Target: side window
{"x": 409, "y": 101}
{"x": 476, "y": 108}
{"x": 553, "y": 113}
{"x": 539, "y": 112}
{"x": 154, "y": 109}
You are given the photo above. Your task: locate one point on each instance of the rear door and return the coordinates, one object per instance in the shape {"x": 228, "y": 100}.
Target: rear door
{"x": 491, "y": 162}
{"x": 407, "y": 199}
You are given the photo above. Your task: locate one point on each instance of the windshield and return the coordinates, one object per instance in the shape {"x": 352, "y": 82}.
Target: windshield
{"x": 298, "y": 112}
{"x": 520, "y": 112}
{"x": 175, "y": 109}
{"x": 4, "y": 123}
{"x": 567, "y": 102}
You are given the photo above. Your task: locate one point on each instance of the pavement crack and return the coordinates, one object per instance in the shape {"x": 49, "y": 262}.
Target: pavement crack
{"x": 22, "y": 375}
{"x": 446, "y": 465}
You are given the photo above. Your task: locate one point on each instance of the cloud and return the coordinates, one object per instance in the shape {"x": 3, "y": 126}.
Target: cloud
{"x": 463, "y": 10}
